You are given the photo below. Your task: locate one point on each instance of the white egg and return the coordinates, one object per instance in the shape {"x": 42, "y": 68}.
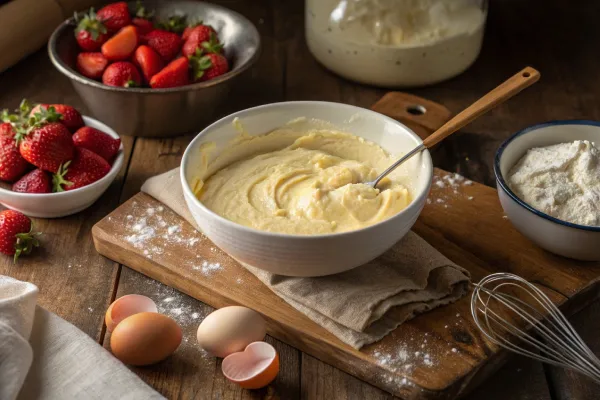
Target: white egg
{"x": 229, "y": 330}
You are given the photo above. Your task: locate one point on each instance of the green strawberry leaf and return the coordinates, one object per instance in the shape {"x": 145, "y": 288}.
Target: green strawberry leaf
{"x": 141, "y": 12}
{"x": 58, "y": 179}
{"x": 175, "y": 23}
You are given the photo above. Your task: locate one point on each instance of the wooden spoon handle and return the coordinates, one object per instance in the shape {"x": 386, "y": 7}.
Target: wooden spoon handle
{"x": 527, "y": 77}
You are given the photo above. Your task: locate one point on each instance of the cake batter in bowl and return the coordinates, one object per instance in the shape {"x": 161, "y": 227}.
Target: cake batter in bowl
{"x": 293, "y": 231}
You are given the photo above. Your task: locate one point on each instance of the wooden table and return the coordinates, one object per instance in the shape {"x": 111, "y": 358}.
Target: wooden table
{"x": 78, "y": 284}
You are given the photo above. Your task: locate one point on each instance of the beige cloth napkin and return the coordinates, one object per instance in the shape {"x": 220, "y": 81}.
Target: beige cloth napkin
{"x": 363, "y": 305}
{"x": 43, "y": 356}
{"x": 26, "y": 25}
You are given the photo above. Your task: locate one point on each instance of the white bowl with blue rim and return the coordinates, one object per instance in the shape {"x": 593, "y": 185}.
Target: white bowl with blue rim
{"x": 570, "y": 240}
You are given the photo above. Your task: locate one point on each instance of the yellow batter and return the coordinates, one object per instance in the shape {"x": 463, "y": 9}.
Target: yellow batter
{"x": 311, "y": 186}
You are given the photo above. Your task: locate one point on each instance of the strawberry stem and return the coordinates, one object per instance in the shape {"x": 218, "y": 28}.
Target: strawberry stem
{"x": 25, "y": 243}
{"x": 212, "y": 45}
{"x": 58, "y": 179}
{"x": 141, "y": 12}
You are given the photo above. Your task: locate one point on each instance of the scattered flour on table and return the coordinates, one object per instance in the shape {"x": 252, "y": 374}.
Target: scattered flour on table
{"x": 148, "y": 229}
{"x": 446, "y": 187}
{"x": 562, "y": 180}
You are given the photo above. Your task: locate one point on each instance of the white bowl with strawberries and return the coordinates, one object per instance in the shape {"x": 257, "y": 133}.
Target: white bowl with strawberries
{"x": 169, "y": 65}
{"x": 54, "y": 161}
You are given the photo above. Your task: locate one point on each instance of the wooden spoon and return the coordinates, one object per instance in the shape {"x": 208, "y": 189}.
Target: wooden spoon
{"x": 527, "y": 77}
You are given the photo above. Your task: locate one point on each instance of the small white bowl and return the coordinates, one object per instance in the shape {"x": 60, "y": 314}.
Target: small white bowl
{"x": 570, "y": 240}
{"x": 54, "y": 205}
{"x": 298, "y": 255}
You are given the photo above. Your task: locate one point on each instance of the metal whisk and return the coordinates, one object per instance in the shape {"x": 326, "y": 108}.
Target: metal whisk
{"x": 514, "y": 314}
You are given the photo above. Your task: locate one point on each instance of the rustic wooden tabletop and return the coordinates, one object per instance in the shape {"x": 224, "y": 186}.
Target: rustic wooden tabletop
{"x": 78, "y": 284}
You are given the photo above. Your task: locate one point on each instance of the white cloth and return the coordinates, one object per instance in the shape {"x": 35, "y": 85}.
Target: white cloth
{"x": 43, "y": 356}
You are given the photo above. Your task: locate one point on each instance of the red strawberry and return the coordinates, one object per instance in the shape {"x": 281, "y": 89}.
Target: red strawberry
{"x": 188, "y": 29}
{"x": 36, "y": 181}
{"x": 167, "y": 44}
{"x": 198, "y": 37}
{"x": 47, "y": 146}
{"x": 143, "y": 25}
{"x": 69, "y": 116}
{"x": 148, "y": 60}
{"x": 6, "y": 129}
{"x": 42, "y": 140}
{"x": 12, "y": 164}
{"x": 115, "y": 16}
{"x": 16, "y": 234}
{"x": 173, "y": 75}
{"x": 122, "y": 45}
{"x": 208, "y": 66}
{"x": 123, "y": 74}
{"x": 90, "y": 32}
{"x": 91, "y": 65}
{"x": 87, "y": 167}
{"x": 97, "y": 141}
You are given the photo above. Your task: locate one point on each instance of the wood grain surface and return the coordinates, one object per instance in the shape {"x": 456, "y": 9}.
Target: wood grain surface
{"x": 556, "y": 37}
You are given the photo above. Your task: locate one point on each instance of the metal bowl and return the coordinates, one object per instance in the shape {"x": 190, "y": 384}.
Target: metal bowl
{"x": 163, "y": 112}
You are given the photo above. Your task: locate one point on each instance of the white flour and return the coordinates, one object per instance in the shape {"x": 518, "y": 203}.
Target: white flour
{"x": 562, "y": 181}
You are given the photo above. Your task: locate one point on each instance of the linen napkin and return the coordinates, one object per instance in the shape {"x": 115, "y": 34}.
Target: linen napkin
{"x": 362, "y": 305}
{"x": 43, "y": 356}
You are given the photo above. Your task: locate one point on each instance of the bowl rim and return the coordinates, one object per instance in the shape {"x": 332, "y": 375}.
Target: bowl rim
{"x": 502, "y": 183}
{"x": 419, "y": 199}
{"x": 111, "y": 175}
{"x": 74, "y": 75}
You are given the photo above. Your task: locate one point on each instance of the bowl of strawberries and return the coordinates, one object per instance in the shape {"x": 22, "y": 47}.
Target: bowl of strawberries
{"x": 54, "y": 161}
{"x": 155, "y": 68}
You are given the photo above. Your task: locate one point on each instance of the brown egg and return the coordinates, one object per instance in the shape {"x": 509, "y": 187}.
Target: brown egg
{"x": 145, "y": 338}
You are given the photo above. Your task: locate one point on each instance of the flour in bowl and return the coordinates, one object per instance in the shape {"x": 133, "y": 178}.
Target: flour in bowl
{"x": 561, "y": 180}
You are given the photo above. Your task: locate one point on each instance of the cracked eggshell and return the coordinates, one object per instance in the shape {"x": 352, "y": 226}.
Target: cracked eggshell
{"x": 230, "y": 330}
{"x": 127, "y": 306}
{"x": 254, "y": 368}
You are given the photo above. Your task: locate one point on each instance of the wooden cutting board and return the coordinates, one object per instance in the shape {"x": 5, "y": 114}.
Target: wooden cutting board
{"x": 438, "y": 355}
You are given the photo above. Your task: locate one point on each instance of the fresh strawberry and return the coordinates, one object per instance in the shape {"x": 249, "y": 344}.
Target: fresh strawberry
{"x": 123, "y": 74}
{"x": 188, "y": 29}
{"x": 91, "y": 65}
{"x": 148, "y": 60}
{"x": 16, "y": 234}
{"x": 69, "y": 116}
{"x": 166, "y": 44}
{"x": 115, "y": 16}
{"x": 97, "y": 141}
{"x": 175, "y": 24}
{"x": 36, "y": 181}
{"x": 6, "y": 129}
{"x": 202, "y": 37}
{"x": 87, "y": 167}
{"x": 176, "y": 73}
{"x": 122, "y": 45}
{"x": 48, "y": 146}
{"x": 209, "y": 66}
{"x": 43, "y": 141}
{"x": 12, "y": 164}
{"x": 90, "y": 32}
{"x": 143, "y": 25}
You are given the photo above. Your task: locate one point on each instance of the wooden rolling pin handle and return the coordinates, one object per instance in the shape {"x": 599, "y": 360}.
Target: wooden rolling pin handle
{"x": 527, "y": 77}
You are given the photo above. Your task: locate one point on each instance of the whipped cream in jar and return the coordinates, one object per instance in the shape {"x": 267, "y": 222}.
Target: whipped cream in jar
{"x": 396, "y": 43}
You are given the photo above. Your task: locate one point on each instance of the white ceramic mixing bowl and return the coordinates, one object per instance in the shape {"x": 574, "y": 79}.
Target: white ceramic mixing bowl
{"x": 297, "y": 255}
{"x": 54, "y": 205}
{"x": 560, "y": 237}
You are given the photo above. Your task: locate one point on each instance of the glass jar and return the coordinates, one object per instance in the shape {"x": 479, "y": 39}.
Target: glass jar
{"x": 396, "y": 43}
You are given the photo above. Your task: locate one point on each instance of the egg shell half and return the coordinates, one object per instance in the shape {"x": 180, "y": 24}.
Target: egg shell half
{"x": 127, "y": 306}
{"x": 229, "y": 330}
{"x": 253, "y": 368}
{"x": 145, "y": 338}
